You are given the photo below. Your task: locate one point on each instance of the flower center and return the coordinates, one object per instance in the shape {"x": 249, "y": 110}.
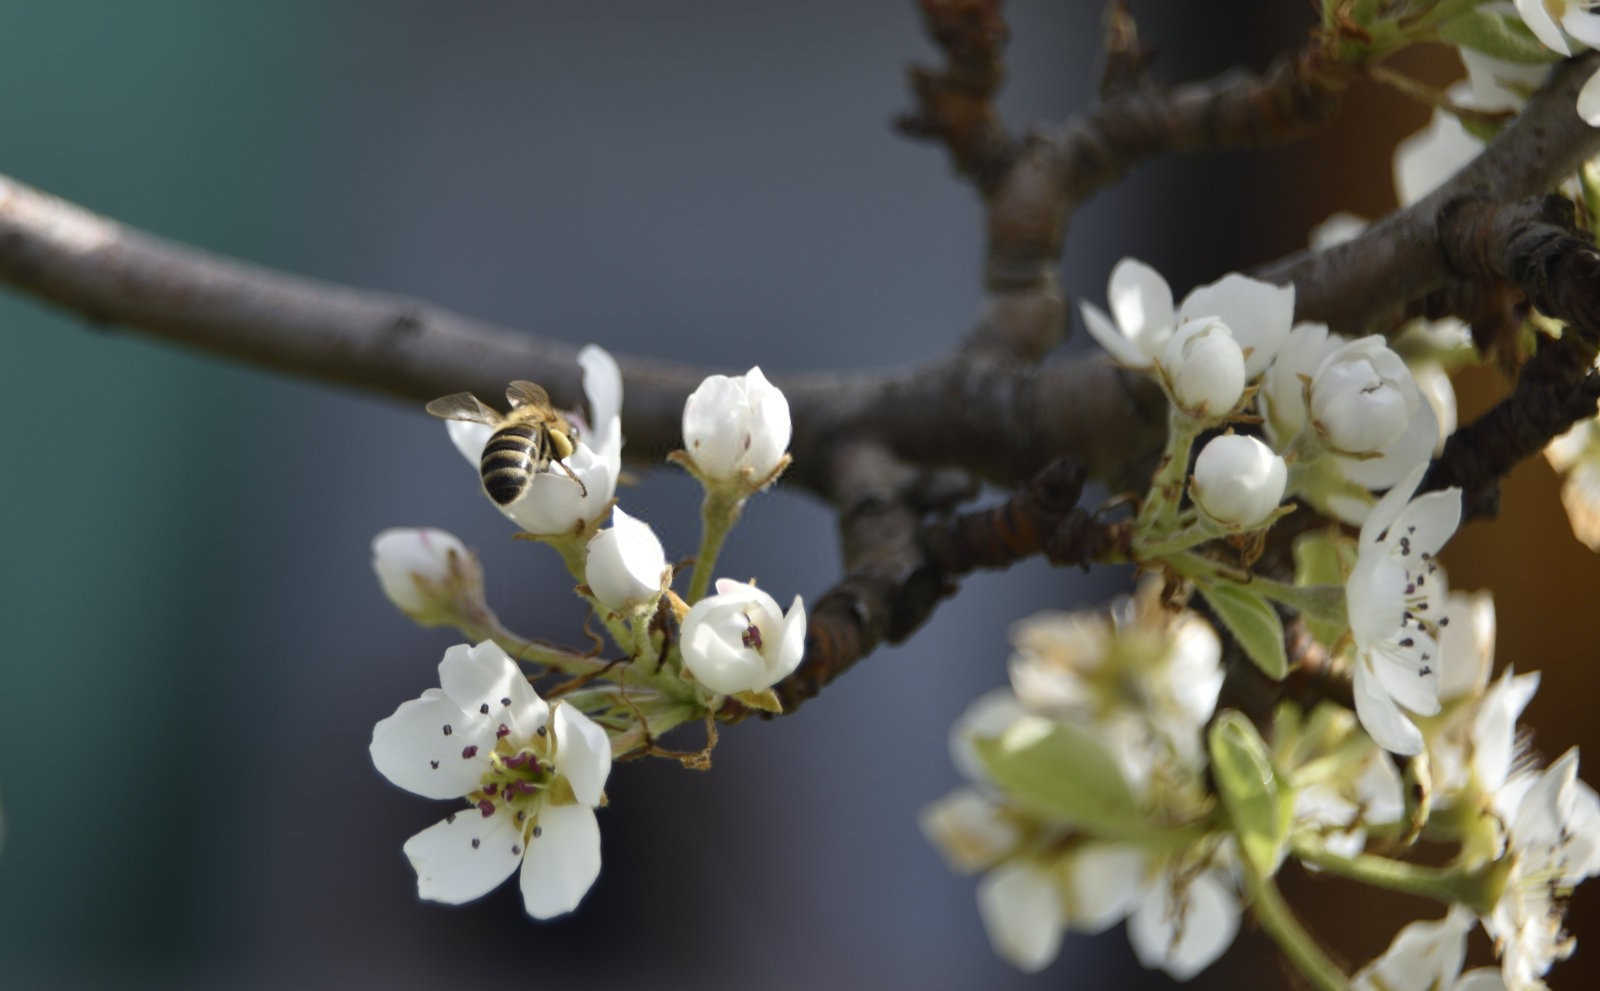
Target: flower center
{"x": 519, "y": 781}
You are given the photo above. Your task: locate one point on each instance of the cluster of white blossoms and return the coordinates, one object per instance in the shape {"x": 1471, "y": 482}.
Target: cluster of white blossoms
{"x": 1122, "y": 699}
{"x": 1106, "y": 786}
{"x": 532, "y": 769}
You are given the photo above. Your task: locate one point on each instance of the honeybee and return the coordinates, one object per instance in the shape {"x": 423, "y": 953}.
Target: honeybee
{"x": 525, "y": 441}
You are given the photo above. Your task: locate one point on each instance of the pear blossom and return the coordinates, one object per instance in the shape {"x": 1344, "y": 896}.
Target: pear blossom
{"x": 1142, "y": 315}
{"x": 531, "y": 771}
{"x": 1367, "y": 407}
{"x": 1258, "y": 314}
{"x": 1428, "y": 955}
{"x": 736, "y": 428}
{"x": 429, "y": 574}
{"x": 1144, "y": 677}
{"x": 1238, "y": 481}
{"x": 1395, "y": 598}
{"x": 1554, "y": 842}
{"x": 970, "y": 829}
{"x": 1204, "y": 368}
{"x": 738, "y": 640}
{"x": 553, "y": 503}
{"x": 1283, "y": 388}
{"x": 1369, "y": 793}
{"x": 625, "y": 566}
{"x": 1185, "y": 919}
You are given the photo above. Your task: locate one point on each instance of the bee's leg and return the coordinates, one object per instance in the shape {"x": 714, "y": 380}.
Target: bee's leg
{"x": 575, "y": 478}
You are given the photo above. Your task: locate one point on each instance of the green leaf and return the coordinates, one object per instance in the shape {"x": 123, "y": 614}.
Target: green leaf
{"x": 1064, "y": 772}
{"x": 1323, "y": 559}
{"x": 1258, "y": 805}
{"x": 1501, "y": 36}
{"x": 1253, "y": 622}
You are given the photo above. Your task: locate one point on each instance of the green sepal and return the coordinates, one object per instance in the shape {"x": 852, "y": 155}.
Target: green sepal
{"x": 1498, "y": 35}
{"x": 1253, "y": 622}
{"x": 1259, "y": 805}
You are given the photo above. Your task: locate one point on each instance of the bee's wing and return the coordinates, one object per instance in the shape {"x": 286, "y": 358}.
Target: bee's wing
{"x": 523, "y": 393}
{"x": 463, "y": 406}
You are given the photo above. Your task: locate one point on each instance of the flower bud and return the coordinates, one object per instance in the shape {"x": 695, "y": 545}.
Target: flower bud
{"x": 1238, "y": 481}
{"x": 625, "y": 564}
{"x": 736, "y": 428}
{"x": 427, "y": 573}
{"x": 739, "y": 641}
{"x": 1204, "y": 368}
{"x": 1363, "y": 397}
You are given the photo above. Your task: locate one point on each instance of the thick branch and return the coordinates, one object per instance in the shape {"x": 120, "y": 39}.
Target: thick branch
{"x": 898, "y": 570}
{"x": 1364, "y": 284}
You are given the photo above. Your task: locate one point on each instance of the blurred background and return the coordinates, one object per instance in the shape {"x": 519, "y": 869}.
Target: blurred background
{"x": 196, "y": 647}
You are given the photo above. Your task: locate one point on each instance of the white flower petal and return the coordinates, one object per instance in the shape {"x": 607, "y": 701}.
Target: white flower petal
{"x": 987, "y": 717}
{"x": 1582, "y": 24}
{"x": 469, "y": 438}
{"x": 1104, "y": 883}
{"x": 1283, "y": 388}
{"x": 1496, "y": 84}
{"x": 736, "y": 426}
{"x": 1409, "y": 681}
{"x": 772, "y": 428}
{"x": 1422, "y": 955}
{"x": 1123, "y": 350}
{"x": 561, "y": 863}
{"x": 430, "y": 747}
{"x": 1466, "y": 644}
{"x": 553, "y": 503}
{"x": 1415, "y": 444}
{"x": 624, "y": 564}
{"x": 1423, "y": 161}
{"x": 401, "y": 555}
{"x": 1182, "y": 931}
{"x": 583, "y": 753}
{"x": 1021, "y": 911}
{"x": 602, "y": 383}
{"x": 1389, "y": 507}
{"x": 1430, "y": 519}
{"x": 792, "y": 645}
{"x": 464, "y": 856}
{"x": 1537, "y": 16}
{"x": 1382, "y": 718}
{"x": 476, "y": 678}
{"x": 968, "y": 830}
{"x": 1589, "y": 101}
{"x": 1141, "y": 301}
{"x": 1258, "y": 313}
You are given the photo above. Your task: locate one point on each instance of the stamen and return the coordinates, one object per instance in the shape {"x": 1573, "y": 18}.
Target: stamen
{"x": 486, "y": 807}
{"x": 467, "y": 753}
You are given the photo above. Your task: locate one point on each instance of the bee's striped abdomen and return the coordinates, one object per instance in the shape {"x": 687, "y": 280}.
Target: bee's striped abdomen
{"x": 510, "y": 458}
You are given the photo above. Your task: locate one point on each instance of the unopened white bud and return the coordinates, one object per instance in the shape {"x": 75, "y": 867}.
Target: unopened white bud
{"x": 429, "y": 574}
{"x": 1204, "y": 367}
{"x": 739, "y": 641}
{"x": 626, "y": 566}
{"x": 1363, "y": 397}
{"x": 736, "y": 428}
{"x": 1238, "y": 481}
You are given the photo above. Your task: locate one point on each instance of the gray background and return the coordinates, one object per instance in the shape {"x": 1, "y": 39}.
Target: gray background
{"x": 195, "y": 648}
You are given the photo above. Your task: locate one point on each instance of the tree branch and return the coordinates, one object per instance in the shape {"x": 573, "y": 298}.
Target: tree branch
{"x": 897, "y": 570}
{"x": 1366, "y": 283}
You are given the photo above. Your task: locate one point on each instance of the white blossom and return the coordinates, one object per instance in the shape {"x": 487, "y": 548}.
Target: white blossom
{"x": 970, "y": 829}
{"x": 736, "y": 428}
{"x": 1554, "y": 839}
{"x": 1395, "y": 598}
{"x": 1021, "y": 911}
{"x": 1204, "y": 368}
{"x": 1368, "y": 793}
{"x": 738, "y": 640}
{"x": 1283, "y": 388}
{"x": 1428, "y": 955}
{"x": 1142, "y": 314}
{"x": 1185, "y": 920}
{"x": 532, "y": 772}
{"x": 1433, "y": 382}
{"x": 553, "y": 502}
{"x": 426, "y": 572}
{"x": 1238, "y": 481}
{"x": 1144, "y": 678}
{"x": 625, "y": 566}
{"x": 1258, "y": 314}
{"x": 1366, "y": 405}
{"x": 986, "y": 717}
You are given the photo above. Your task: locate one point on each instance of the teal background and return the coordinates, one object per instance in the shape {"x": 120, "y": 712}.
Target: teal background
{"x": 195, "y": 650}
